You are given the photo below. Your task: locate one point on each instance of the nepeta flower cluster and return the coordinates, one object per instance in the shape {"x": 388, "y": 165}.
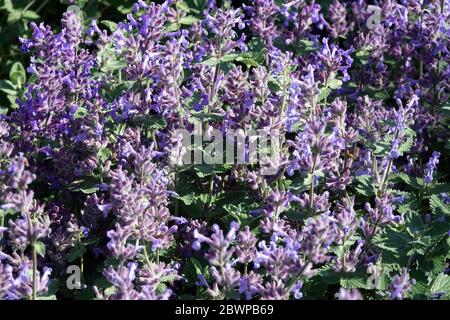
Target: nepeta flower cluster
{"x": 355, "y": 204}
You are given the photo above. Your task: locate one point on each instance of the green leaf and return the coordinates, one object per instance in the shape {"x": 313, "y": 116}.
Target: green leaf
{"x": 362, "y": 56}
{"x": 324, "y": 93}
{"x": 436, "y": 188}
{"x": 409, "y": 203}
{"x": 249, "y": 62}
{"x": 110, "y": 291}
{"x": 169, "y": 278}
{"x": 364, "y": 185}
{"x": 80, "y": 113}
{"x": 335, "y": 84}
{"x": 413, "y": 182}
{"x": 205, "y": 117}
{"x": 212, "y": 61}
{"x": 125, "y": 8}
{"x": 183, "y": 6}
{"x": 194, "y": 268}
{"x": 149, "y": 122}
{"x": 8, "y": 6}
{"x": 111, "y": 25}
{"x": 52, "y": 297}
{"x": 87, "y": 185}
{"x": 17, "y": 74}
{"x": 240, "y": 211}
{"x": 187, "y": 199}
{"x": 104, "y": 154}
{"x": 160, "y": 288}
{"x": 8, "y": 87}
{"x": 305, "y": 47}
{"x": 113, "y": 65}
{"x": 408, "y": 143}
{"x": 172, "y": 27}
{"x": 438, "y": 206}
{"x": 40, "y": 248}
{"x": 75, "y": 253}
{"x": 441, "y": 285}
{"x": 354, "y": 280}
{"x": 204, "y": 170}
{"x": 30, "y": 15}
{"x": 188, "y": 20}
{"x": 393, "y": 240}
{"x": 229, "y": 57}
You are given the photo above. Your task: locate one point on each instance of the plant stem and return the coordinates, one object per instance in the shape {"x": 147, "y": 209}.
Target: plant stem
{"x": 147, "y": 259}
{"x": 154, "y": 139}
{"x": 34, "y": 261}
{"x": 370, "y": 238}
{"x": 388, "y": 168}
{"x": 42, "y": 6}
{"x": 283, "y": 98}
{"x": 82, "y": 269}
{"x": 296, "y": 278}
{"x": 2, "y": 224}
{"x": 177, "y": 182}
{"x": 211, "y": 189}
{"x": 212, "y": 92}
{"x": 311, "y": 188}
{"x": 385, "y": 176}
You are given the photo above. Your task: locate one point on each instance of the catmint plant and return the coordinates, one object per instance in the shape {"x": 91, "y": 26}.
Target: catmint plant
{"x": 208, "y": 150}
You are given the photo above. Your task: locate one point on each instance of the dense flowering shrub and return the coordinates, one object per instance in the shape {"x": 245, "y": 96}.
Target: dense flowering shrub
{"x": 96, "y": 202}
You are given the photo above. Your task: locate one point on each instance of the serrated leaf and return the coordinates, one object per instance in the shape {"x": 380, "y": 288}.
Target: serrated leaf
{"x": 149, "y": 122}
{"x": 413, "y": 182}
{"x": 364, "y": 185}
{"x": 212, "y": 61}
{"x": 409, "y": 203}
{"x": 187, "y": 199}
{"x": 205, "y": 117}
{"x": 204, "y": 170}
{"x": 393, "y": 240}
{"x": 438, "y": 188}
{"x": 324, "y": 93}
{"x": 441, "y": 285}
{"x": 356, "y": 280}
{"x": 438, "y": 206}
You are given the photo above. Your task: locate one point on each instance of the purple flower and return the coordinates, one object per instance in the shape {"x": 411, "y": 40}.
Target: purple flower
{"x": 401, "y": 285}
{"x": 431, "y": 166}
{"x": 352, "y": 294}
